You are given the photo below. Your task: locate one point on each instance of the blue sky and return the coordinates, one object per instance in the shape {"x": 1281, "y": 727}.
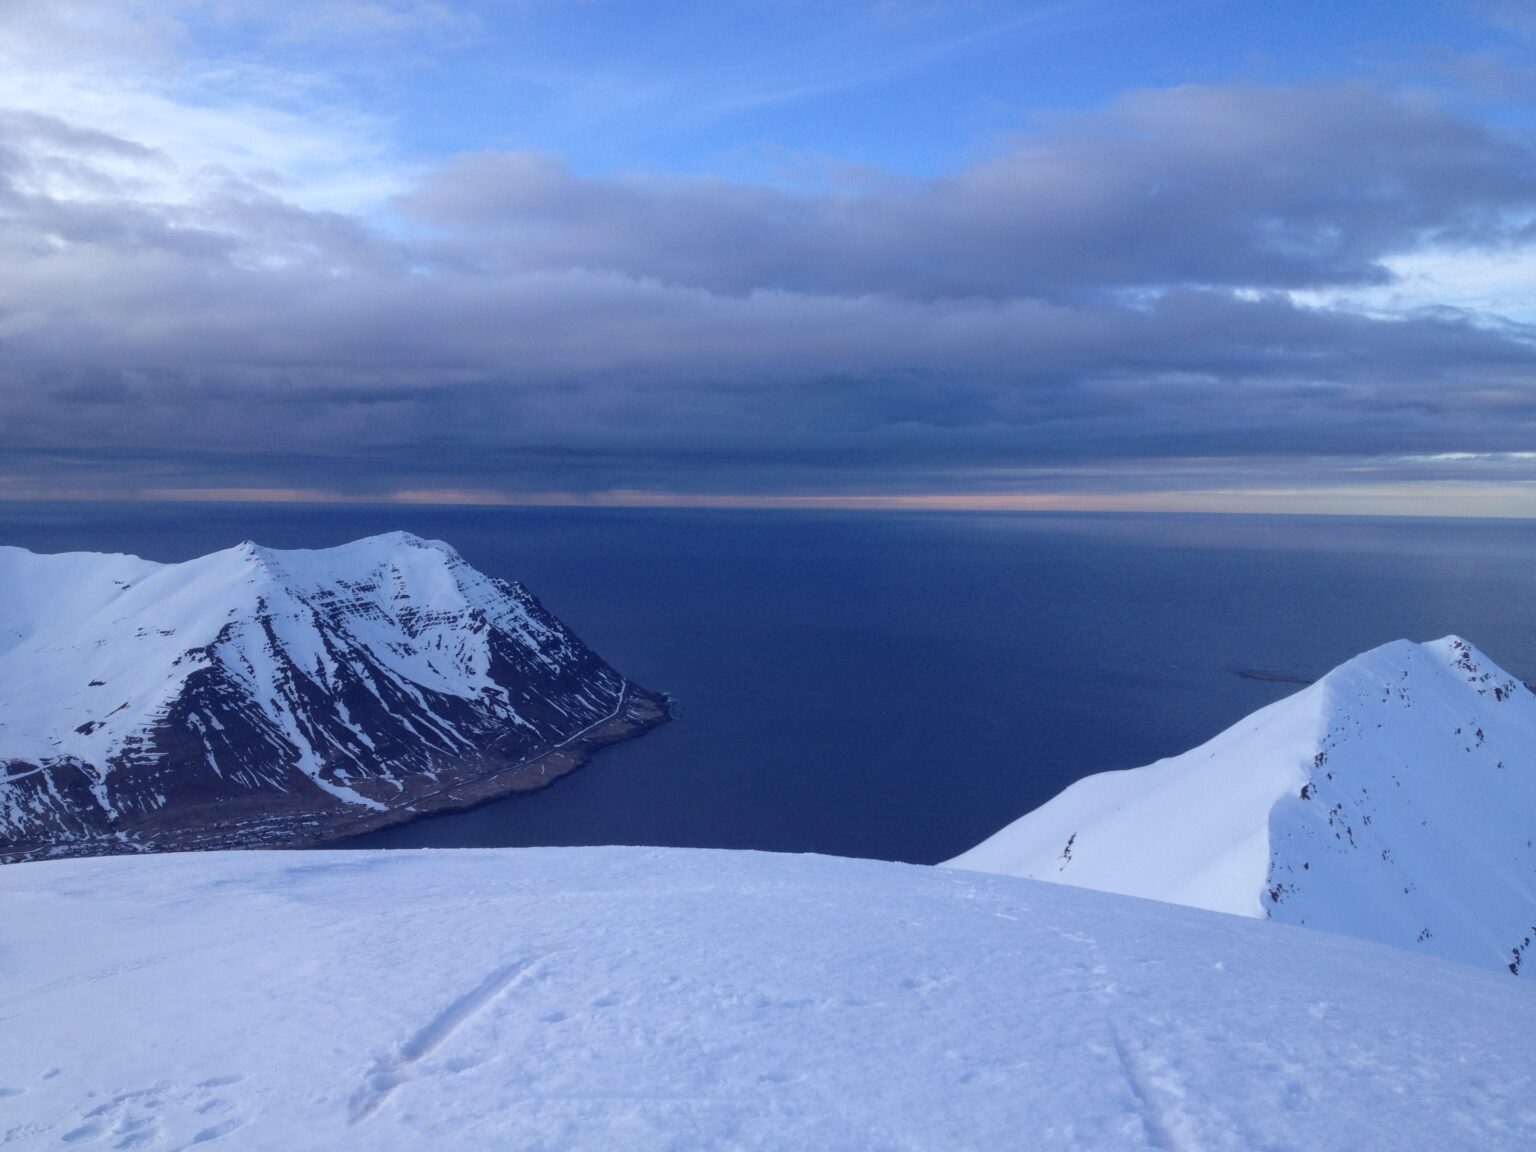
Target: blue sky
{"x": 1181, "y": 254}
{"x": 755, "y": 90}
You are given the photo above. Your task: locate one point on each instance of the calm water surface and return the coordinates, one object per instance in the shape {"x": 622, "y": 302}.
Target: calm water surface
{"x": 899, "y": 685}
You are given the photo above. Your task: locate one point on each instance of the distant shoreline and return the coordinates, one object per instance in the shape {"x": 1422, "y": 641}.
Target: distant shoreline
{"x": 641, "y": 711}
{"x": 1270, "y": 677}
{"x": 484, "y": 779}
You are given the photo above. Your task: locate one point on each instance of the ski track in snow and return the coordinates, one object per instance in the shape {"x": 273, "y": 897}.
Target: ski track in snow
{"x": 1140, "y": 1069}
{"x": 389, "y": 1073}
{"x": 1155, "y": 1091}
{"x": 1146, "y": 1068}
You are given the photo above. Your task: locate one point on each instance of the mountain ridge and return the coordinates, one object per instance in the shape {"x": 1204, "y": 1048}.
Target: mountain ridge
{"x": 1394, "y": 799}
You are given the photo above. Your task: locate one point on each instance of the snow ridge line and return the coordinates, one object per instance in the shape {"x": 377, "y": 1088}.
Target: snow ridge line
{"x": 390, "y": 1072}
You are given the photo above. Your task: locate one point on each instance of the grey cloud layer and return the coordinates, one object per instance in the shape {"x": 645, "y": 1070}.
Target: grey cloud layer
{"x": 1278, "y": 188}
{"x": 1115, "y": 286}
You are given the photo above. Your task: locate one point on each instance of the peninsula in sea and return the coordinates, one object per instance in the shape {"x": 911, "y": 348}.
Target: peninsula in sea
{"x": 263, "y": 698}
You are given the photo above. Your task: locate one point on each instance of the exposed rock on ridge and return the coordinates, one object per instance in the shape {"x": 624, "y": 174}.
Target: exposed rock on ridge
{"x": 1394, "y": 799}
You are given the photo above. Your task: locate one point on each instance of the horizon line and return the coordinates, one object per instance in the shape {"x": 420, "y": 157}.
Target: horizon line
{"x": 1455, "y": 499}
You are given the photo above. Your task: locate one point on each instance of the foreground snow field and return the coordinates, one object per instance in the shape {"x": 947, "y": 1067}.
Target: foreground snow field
{"x": 1394, "y": 799}
{"x": 645, "y": 998}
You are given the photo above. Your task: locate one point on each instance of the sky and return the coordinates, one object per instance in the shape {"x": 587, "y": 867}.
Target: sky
{"x": 1191, "y": 254}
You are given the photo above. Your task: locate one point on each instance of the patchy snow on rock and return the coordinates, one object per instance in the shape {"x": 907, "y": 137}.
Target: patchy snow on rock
{"x": 270, "y": 687}
{"x": 1394, "y": 799}
{"x": 672, "y": 999}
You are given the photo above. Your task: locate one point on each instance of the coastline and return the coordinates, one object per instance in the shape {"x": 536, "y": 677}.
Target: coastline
{"x": 480, "y": 779}
{"x": 641, "y": 712}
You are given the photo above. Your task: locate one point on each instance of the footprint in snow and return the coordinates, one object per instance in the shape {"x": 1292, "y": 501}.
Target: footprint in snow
{"x": 129, "y": 1119}
{"x": 146, "y": 1117}
{"x": 216, "y": 1132}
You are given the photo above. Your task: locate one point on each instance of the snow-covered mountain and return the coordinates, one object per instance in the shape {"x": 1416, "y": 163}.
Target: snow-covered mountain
{"x": 637, "y": 999}
{"x": 256, "y": 696}
{"x": 1394, "y": 799}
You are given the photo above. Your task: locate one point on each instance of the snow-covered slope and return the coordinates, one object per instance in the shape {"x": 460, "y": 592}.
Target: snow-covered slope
{"x": 256, "y": 695}
{"x": 1394, "y": 799}
{"x": 663, "y": 999}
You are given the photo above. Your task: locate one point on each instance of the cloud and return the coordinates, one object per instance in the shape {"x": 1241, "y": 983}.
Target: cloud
{"x": 138, "y": 71}
{"x": 1233, "y": 187}
{"x": 1131, "y": 284}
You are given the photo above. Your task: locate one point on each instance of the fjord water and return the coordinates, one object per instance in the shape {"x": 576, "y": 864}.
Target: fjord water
{"x": 900, "y": 685}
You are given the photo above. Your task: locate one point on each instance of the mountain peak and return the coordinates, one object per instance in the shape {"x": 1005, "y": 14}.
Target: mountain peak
{"x": 252, "y": 553}
{"x": 376, "y": 547}
{"x": 1397, "y": 656}
{"x": 1391, "y": 799}
{"x": 305, "y": 690}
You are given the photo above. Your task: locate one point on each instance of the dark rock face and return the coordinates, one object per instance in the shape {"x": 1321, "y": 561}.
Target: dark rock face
{"x": 341, "y": 690}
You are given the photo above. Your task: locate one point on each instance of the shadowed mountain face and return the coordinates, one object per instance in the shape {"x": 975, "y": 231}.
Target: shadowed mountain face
{"x": 262, "y": 697}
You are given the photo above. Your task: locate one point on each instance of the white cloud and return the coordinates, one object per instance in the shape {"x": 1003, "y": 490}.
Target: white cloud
{"x": 1473, "y": 457}
{"x": 136, "y": 71}
{"x": 1497, "y": 285}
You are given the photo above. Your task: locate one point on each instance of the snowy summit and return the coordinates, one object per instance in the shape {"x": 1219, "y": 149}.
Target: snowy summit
{"x": 1394, "y": 799}
{"x": 637, "y": 999}
{"x": 256, "y": 696}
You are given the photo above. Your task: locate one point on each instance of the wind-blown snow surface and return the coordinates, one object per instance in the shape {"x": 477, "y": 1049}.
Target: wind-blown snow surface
{"x": 642, "y": 998}
{"x": 289, "y": 691}
{"x": 1394, "y": 799}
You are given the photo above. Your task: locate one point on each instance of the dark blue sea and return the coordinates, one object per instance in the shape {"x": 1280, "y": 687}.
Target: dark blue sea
{"x": 900, "y": 685}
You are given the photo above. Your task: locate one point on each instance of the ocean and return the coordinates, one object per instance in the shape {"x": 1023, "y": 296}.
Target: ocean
{"x": 900, "y": 685}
